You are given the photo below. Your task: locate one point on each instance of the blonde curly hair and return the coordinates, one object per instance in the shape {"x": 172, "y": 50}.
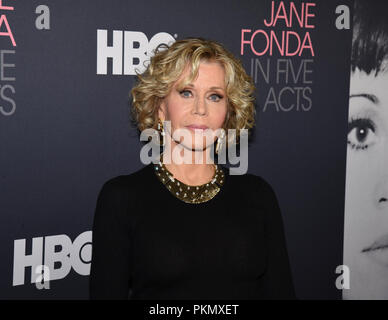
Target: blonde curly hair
{"x": 167, "y": 65}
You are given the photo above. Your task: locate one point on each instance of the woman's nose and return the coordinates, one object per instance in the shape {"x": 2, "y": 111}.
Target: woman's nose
{"x": 381, "y": 192}
{"x": 200, "y": 106}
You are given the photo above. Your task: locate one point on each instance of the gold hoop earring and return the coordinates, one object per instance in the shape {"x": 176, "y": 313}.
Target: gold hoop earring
{"x": 220, "y": 141}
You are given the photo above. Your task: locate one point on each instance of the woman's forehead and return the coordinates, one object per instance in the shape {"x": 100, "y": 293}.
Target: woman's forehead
{"x": 208, "y": 71}
{"x": 361, "y": 82}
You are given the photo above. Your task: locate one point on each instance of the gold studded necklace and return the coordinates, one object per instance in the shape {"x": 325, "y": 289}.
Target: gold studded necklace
{"x": 187, "y": 193}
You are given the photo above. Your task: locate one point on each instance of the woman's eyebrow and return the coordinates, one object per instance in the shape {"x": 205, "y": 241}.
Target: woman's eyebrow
{"x": 211, "y": 88}
{"x": 368, "y": 96}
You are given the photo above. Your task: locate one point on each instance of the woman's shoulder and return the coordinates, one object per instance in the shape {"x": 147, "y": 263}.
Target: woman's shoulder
{"x": 126, "y": 182}
{"x": 253, "y": 184}
{"x": 254, "y": 188}
{"x": 247, "y": 179}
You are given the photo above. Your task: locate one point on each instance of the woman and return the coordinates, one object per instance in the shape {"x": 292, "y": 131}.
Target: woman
{"x": 190, "y": 230}
{"x": 366, "y": 201}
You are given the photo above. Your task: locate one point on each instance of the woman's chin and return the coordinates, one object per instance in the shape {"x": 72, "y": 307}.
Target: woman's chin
{"x": 197, "y": 147}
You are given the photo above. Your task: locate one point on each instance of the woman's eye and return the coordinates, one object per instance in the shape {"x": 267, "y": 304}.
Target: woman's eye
{"x": 185, "y": 93}
{"x": 361, "y": 133}
{"x": 215, "y": 97}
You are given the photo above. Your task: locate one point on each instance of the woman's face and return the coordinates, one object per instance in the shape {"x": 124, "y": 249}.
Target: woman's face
{"x": 366, "y": 201}
{"x": 201, "y": 103}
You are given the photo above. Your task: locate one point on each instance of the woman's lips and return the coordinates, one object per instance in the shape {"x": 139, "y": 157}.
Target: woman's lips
{"x": 199, "y": 127}
{"x": 381, "y": 243}
{"x": 377, "y": 251}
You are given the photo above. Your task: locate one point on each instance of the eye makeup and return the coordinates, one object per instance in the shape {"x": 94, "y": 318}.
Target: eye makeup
{"x": 362, "y": 130}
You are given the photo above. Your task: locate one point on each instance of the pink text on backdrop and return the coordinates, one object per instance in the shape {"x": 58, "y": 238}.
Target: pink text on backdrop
{"x": 285, "y": 39}
{"x": 4, "y": 21}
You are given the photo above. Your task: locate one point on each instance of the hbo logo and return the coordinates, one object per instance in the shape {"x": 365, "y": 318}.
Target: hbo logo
{"x": 130, "y": 50}
{"x": 60, "y": 254}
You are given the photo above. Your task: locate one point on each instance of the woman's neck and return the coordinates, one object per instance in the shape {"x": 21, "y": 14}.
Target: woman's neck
{"x": 201, "y": 170}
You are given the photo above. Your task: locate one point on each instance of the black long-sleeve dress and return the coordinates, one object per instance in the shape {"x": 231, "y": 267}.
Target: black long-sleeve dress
{"x": 148, "y": 244}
